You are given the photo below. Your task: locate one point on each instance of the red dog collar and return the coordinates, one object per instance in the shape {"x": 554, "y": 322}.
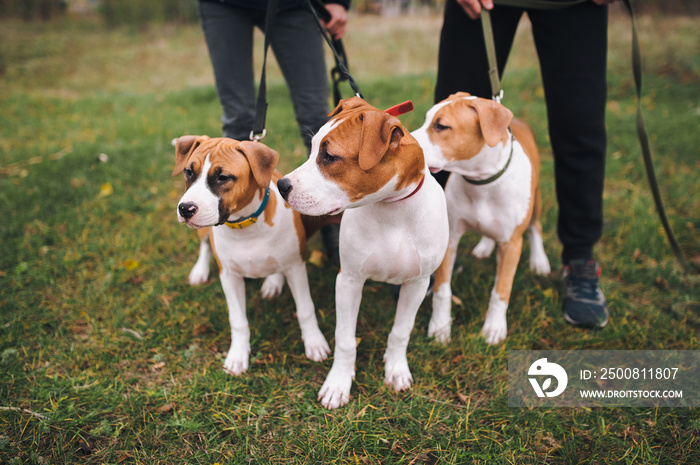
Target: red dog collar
{"x": 400, "y": 109}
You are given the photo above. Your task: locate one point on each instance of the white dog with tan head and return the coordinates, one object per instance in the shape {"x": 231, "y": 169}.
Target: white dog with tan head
{"x": 493, "y": 190}
{"x": 231, "y": 189}
{"x": 394, "y": 229}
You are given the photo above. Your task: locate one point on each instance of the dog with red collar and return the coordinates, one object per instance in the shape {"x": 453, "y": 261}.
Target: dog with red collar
{"x": 364, "y": 163}
{"x": 493, "y": 189}
{"x": 231, "y": 188}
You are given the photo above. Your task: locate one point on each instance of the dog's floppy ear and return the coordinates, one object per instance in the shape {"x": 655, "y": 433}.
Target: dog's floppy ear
{"x": 262, "y": 160}
{"x": 494, "y": 119}
{"x": 381, "y": 132}
{"x": 347, "y": 104}
{"x": 184, "y": 146}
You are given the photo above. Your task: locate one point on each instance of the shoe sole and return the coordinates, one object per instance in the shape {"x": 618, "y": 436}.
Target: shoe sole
{"x": 576, "y": 323}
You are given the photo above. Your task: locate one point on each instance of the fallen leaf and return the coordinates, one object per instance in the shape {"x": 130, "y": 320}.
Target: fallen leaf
{"x": 158, "y": 366}
{"x": 264, "y": 360}
{"x": 661, "y": 282}
{"x": 630, "y": 432}
{"x": 316, "y": 258}
{"x": 106, "y": 190}
{"x": 132, "y": 332}
{"x": 199, "y": 329}
{"x": 85, "y": 446}
{"x": 130, "y": 265}
{"x": 167, "y": 408}
{"x": 614, "y": 107}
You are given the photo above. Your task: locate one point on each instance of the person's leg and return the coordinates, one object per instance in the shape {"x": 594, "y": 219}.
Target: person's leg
{"x": 298, "y": 47}
{"x": 572, "y": 48}
{"x": 229, "y": 35}
{"x": 462, "y": 61}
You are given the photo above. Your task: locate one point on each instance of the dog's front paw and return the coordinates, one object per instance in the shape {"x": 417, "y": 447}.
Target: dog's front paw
{"x": 540, "y": 264}
{"x": 199, "y": 274}
{"x": 316, "y": 347}
{"x": 335, "y": 391}
{"x": 495, "y": 330}
{"x": 484, "y": 248}
{"x": 236, "y": 361}
{"x": 398, "y": 375}
{"x": 441, "y": 319}
{"x": 495, "y": 325}
{"x": 272, "y": 286}
{"x": 439, "y": 330}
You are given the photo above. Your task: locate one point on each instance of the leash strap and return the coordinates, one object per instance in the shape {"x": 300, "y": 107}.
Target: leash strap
{"x": 646, "y": 147}
{"x": 258, "y": 131}
{"x": 341, "y": 70}
{"x": 642, "y": 135}
{"x": 336, "y": 73}
{"x": 496, "y": 89}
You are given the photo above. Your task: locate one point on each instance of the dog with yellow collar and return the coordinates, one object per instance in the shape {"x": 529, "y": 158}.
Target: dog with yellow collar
{"x": 231, "y": 189}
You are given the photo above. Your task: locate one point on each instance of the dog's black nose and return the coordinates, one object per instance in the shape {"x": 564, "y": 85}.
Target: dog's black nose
{"x": 285, "y": 187}
{"x": 187, "y": 210}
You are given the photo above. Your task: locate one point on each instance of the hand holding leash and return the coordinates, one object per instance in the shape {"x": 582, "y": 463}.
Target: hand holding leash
{"x": 336, "y": 25}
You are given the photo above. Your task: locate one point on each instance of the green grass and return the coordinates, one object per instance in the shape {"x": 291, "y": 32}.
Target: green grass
{"x": 101, "y": 335}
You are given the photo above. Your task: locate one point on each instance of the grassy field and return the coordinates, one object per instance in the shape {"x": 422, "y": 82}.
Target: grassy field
{"x": 109, "y": 356}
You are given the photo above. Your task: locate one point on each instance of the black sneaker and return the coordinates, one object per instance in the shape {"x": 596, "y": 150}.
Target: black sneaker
{"x": 584, "y": 303}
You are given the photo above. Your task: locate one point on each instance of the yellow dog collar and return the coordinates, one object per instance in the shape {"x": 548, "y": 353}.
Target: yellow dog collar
{"x": 252, "y": 219}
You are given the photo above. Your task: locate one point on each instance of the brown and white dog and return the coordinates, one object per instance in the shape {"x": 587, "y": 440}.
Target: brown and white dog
{"x": 494, "y": 190}
{"x": 231, "y": 188}
{"x": 394, "y": 229}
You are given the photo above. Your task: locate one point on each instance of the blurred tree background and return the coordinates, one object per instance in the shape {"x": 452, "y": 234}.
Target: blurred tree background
{"x": 140, "y": 13}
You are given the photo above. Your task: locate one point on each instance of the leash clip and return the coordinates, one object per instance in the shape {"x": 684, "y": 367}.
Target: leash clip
{"x": 258, "y": 137}
{"x": 498, "y": 97}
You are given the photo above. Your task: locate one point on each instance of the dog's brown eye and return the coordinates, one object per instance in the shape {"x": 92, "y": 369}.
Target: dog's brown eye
{"x": 189, "y": 173}
{"x": 224, "y": 178}
{"x": 327, "y": 158}
{"x": 439, "y": 127}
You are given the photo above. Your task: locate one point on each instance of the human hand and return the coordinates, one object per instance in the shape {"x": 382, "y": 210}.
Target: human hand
{"x": 473, "y": 7}
{"x": 339, "y": 19}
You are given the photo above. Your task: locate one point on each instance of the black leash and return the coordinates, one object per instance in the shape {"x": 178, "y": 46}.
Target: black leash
{"x": 340, "y": 73}
{"x": 259, "y": 131}
{"x": 497, "y": 93}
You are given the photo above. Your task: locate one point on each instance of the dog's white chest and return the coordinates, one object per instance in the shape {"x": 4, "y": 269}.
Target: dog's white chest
{"x": 495, "y": 209}
{"x": 259, "y": 250}
{"x": 396, "y": 242}
{"x": 393, "y": 257}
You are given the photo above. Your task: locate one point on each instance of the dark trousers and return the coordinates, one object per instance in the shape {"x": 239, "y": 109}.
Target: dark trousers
{"x": 572, "y": 50}
{"x": 298, "y": 48}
